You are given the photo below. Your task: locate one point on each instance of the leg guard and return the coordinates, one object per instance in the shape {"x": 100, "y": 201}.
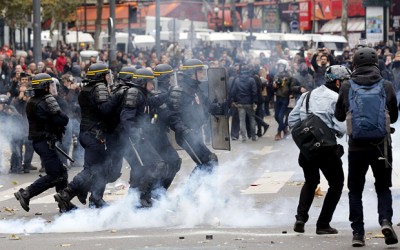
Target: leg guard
{"x": 173, "y": 168}
{"x": 209, "y": 166}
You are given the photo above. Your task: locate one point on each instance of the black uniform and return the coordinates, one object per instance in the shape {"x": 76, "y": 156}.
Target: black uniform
{"x": 161, "y": 124}
{"x": 96, "y": 107}
{"x": 46, "y": 125}
{"x": 146, "y": 164}
{"x": 190, "y": 105}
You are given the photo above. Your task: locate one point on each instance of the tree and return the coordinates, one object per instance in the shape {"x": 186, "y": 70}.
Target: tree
{"x": 15, "y": 14}
{"x": 345, "y": 18}
{"x": 99, "y": 9}
{"x": 59, "y": 11}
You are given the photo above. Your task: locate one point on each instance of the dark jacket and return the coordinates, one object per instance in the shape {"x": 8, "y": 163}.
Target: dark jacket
{"x": 365, "y": 75}
{"x": 244, "y": 90}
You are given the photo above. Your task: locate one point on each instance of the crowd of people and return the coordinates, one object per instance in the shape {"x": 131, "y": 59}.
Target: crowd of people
{"x": 109, "y": 110}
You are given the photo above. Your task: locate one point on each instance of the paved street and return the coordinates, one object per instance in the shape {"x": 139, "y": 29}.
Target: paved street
{"x": 249, "y": 204}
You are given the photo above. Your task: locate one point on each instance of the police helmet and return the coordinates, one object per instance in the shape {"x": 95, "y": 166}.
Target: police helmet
{"x": 337, "y": 72}
{"x": 97, "y": 71}
{"x": 41, "y": 81}
{"x": 142, "y": 76}
{"x": 163, "y": 72}
{"x": 365, "y": 56}
{"x": 4, "y": 99}
{"x": 191, "y": 65}
{"x": 126, "y": 73}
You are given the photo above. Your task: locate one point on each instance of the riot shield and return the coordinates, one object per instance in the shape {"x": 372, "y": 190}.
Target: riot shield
{"x": 217, "y": 90}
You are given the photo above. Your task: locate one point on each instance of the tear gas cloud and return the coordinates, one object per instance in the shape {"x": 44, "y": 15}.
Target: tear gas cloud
{"x": 215, "y": 200}
{"x": 12, "y": 129}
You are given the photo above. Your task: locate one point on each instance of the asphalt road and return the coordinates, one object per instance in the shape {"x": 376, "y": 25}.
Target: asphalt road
{"x": 249, "y": 204}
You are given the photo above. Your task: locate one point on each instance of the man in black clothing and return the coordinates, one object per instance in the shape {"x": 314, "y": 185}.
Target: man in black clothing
{"x": 96, "y": 107}
{"x": 46, "y": 126}
{"x": 363, "y": 154}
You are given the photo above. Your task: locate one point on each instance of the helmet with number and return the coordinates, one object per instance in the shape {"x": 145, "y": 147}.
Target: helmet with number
{"x": 142, "y": 76}
{"x": 283, "y": 62}
{"x": 97, "y": 72}
{"x": 337, "y": 72}
{"x": 4, "y": 99}
{"x": 365, "y": 56}
{"x": 126, "y": 73}
{"x": 41, "y": 81}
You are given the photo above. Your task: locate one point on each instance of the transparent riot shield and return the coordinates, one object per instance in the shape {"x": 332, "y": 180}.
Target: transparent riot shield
{"x": 217, "y": 90}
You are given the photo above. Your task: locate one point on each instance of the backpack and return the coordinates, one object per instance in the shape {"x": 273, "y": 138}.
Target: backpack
{"x": 311, "y": 135}
{"x": 367, "y": 118}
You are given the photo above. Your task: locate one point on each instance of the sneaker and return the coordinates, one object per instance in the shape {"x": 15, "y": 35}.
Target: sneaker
{"x": 23, "y": 197}
{"x": 389, "y": 233}
{"x": 234, "y": 138}
{"x": 299, "y": 226}
{"x": 358, "y": 240}
{"x": 278, "y": 136}
{"x": 326, "y": 230}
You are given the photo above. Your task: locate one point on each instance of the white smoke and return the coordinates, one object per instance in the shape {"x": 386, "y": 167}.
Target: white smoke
{"x": 215, "y": 201}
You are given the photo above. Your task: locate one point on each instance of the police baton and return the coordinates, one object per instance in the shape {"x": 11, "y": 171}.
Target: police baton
{"x": 136, "y": 152}
{"x": 63, "y": 153}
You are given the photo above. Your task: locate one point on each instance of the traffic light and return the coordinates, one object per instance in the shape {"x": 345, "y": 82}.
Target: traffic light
{"x": 132, "y": 15}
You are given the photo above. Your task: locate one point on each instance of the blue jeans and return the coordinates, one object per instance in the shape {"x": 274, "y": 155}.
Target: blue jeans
{"x": 359, "y": 162}
{"x": 281, "y": 106}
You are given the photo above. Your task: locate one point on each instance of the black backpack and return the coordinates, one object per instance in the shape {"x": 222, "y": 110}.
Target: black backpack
{"x": 311, "y": 135}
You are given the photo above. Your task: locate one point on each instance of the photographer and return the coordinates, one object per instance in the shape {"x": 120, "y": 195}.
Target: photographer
{"x": 320, "y": 62}
{"x": 282, "y": 84}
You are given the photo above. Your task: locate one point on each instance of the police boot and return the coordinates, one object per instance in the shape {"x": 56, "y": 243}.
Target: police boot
{"x": 63, "y": 198}
{"x": 97, "y": 203}
{"x": 23, "y": 197}
{"x": 82, "y": 196}
{"x": 145, "y": 200}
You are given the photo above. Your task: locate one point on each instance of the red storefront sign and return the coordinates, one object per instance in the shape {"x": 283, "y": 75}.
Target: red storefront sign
{"x": 326, "y": 10}
{"x": 305, "y": 15}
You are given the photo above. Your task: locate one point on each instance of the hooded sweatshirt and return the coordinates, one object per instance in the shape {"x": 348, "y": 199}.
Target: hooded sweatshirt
{"x": 365, "y": 75}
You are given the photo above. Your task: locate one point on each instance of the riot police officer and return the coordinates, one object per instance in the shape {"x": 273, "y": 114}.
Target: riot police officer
{"x": 115, "y": 148}
{"x": 46, "y": 126}
{"x": 146, "y": 164}
{"x": 161, "y": 124}
{"x": 190, "y": 105}
{"x": 96, "y": 107}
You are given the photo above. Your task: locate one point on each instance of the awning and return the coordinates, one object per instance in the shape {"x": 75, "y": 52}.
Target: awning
{"x": 356, "y": 24}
